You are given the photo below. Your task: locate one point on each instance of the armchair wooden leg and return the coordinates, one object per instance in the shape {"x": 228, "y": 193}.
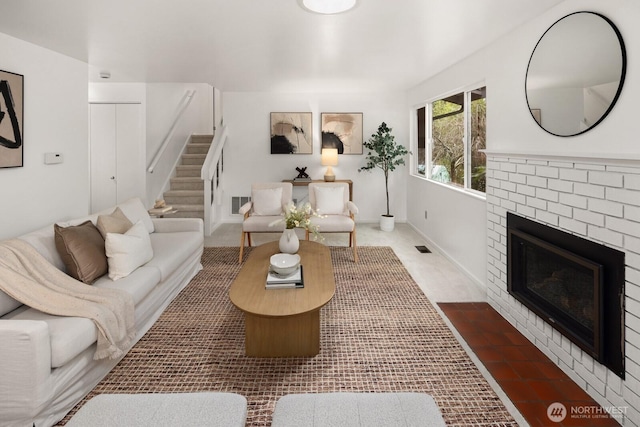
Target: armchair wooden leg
{"x": 352, "y": 236}
{"x": 241, "y": 247}
{"x": 249, "y": 239}
{"x": 306, "y": 234}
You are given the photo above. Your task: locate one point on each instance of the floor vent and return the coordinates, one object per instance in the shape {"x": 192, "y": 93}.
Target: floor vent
{"x": 423, "y": 249}
{"x": 237, "y": 202}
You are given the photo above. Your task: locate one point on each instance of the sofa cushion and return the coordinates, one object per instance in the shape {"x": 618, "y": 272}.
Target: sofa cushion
{"x": 7, "y": 304}
{"x": 43, "y": 241}
{"x": 115, "y": 222}
{"x": 69, "y": 336}
{"x": 138, "y": 284}
{"x": 262, "y": 224}
{"x": 335, "y": 223}
{"x": 165, "y": 256}
{"x": 128, "y": 251}
{"x": 81, "y": 248}
{"x": 135, "y": 211}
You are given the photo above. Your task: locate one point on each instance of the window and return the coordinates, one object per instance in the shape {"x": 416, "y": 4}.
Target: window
{"x": 450, "y": 151}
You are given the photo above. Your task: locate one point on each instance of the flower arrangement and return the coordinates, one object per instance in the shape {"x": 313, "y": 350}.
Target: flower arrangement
{"x": 299, "y": 217}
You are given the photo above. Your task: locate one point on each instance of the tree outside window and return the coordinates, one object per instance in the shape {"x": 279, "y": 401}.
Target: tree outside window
{"x": 457, "y": 133}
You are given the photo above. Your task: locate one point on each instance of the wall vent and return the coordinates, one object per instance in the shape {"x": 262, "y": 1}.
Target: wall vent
{"x": 237, "y": 202}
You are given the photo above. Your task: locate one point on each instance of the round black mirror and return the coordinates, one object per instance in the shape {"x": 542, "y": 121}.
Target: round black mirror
{"x": 575, "y": 73}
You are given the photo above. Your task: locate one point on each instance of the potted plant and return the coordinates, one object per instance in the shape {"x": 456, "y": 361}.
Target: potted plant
{"x": 385, "y": 154}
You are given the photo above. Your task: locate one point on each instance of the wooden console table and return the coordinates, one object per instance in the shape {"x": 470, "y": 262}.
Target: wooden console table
{"x": 306, "y": 184}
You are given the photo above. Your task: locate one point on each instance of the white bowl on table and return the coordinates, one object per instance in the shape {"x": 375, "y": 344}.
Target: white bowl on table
{"x": 284, "y": 264}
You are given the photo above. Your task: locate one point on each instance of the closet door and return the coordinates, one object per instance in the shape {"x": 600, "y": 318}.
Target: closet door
{"x": 116, "y": 154}
{"x": 102, "y": 151}
{"x": 130, "y": 173}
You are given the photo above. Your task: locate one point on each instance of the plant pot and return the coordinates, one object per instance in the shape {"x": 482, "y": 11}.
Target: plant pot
{"x": 387, "y": 222}
{"x": 289, "y": 243}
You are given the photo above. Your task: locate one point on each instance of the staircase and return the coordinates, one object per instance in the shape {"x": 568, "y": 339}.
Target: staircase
{"x": 186, "y": 192}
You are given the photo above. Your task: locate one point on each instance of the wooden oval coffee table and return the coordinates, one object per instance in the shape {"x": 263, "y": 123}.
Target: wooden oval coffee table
{"x": 283, "y": 322}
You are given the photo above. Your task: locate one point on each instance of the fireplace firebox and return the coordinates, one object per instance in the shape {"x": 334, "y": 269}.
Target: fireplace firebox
{"x": 575, "y": 285}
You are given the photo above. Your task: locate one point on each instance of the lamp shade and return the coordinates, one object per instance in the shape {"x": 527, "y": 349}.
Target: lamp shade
{"x": 329, "y": 157}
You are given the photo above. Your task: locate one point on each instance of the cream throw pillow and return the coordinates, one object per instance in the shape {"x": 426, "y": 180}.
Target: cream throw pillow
{"x": 330, "y": 200}
{"x": 128, "y": 251}
{"x": 267, "y": 201}
{"x": 115, "y": 222}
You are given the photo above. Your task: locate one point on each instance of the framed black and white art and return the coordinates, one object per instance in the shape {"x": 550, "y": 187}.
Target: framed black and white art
{"x": 291, "y": 133}
{"x": 11, "y": 117}
{"x": 342, "y": 131}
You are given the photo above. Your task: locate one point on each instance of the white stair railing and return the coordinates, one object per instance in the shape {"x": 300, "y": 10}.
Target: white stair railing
{"x": 186, "y": 100}
{"x": 211, "y": 173}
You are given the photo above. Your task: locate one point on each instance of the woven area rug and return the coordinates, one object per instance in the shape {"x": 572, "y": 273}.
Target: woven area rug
{"x": 379, "y": 334}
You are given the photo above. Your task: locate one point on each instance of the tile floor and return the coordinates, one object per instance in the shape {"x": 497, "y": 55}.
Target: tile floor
{"x": 523, "y": 377}
{"x": 527, "y": 376}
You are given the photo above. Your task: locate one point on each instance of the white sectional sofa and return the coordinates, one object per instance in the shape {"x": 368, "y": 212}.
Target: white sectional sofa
{"x": 46, "y": 362}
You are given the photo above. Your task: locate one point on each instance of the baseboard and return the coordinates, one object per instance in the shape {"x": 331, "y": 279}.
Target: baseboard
{"x": 482, "y": 286}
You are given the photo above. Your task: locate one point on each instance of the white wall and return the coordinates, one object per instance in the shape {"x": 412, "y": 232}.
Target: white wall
{"x": 247, "y": 158}
{"x": 55, "y": 120}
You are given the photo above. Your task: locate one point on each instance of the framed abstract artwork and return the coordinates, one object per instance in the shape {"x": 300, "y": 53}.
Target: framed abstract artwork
{"x": 291, "y": 133}
{"x": 11, "y": 116}
{"x": 342, "y": 131}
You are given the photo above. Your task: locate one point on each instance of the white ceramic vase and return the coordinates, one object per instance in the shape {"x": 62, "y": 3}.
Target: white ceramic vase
{"x": 289, "y": 243}
{"x": 387, "y": 223}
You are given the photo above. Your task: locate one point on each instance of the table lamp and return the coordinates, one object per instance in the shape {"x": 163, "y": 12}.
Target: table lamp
{"x": 329, "y": 158}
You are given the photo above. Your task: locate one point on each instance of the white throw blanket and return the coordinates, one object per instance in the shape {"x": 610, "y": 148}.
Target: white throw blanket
{"x": 28, "y": 277}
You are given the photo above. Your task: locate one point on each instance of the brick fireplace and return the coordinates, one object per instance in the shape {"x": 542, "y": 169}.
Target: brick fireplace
{"x": 591, "y": 199}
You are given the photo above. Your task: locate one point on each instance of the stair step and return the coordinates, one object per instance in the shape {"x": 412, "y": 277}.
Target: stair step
{"x": 188, "y": 170}
{"x": 188, "y": 183}
{"x": 197, "y": 148}
{"x": 189, "y": 211}
{"x": 202, "y": 138}
{"x": 184, "y": 197}
{"x": 193, "y": 159}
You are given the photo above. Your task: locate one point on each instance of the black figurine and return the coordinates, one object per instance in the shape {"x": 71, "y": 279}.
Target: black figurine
{"x": 301, "y": 173}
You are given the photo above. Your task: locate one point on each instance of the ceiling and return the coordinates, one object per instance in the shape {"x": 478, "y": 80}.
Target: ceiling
{"x": 267, "y": 45}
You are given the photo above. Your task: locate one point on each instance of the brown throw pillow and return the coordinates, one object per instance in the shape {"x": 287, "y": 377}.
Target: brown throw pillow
{"x": 115, "y": 222}
{"x": 81, "y": 248}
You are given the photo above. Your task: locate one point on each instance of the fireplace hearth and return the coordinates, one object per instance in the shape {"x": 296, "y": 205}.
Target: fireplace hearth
{"x": 575, "y": 285}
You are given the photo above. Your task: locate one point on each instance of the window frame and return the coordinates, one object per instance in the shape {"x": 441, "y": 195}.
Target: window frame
{"x": 428, "y": 161}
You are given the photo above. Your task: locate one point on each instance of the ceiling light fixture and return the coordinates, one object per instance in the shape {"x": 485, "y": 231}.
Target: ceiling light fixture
{"x": 328, "y": 7}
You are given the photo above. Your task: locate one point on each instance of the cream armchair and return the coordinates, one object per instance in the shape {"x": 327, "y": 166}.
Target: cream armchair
{"x": 331, "y": 201}
{"x": 268, "y": 201}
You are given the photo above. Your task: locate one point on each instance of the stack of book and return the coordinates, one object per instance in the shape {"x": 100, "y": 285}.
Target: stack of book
{"x": 160, "y": 211}
{"x": 276, "y": 281}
